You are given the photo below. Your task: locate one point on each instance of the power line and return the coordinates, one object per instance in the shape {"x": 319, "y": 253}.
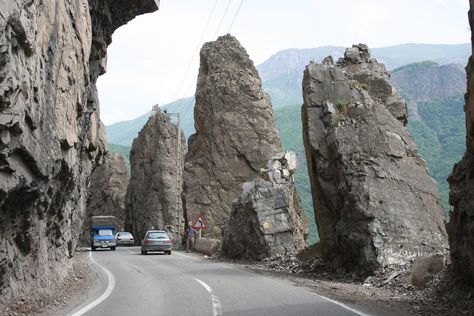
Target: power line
{"x": 235, "y": 16}
{"x": 196, "y": 50}
{"x": 189, "y": 105}
{"x": 222, "y": 19}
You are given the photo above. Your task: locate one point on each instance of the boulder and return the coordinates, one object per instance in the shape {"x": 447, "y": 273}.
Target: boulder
{"x": 461, "y": 185}
{"x": 153, "y": 199}
{"x": 374, "y": 201}
{"x": 207, "y": 246}
{"x": 51, "y": 137}
{"x": 267, "y": 219}
{"x": 425, "y": 267}
{"x": 108, "y": 185}
{"x": 235, "y": 133}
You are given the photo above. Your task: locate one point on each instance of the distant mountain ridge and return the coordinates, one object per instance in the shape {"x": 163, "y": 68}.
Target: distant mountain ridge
{"x": 123, "y": 133}
{"x": 282, "y": 74}
{"x": 288, "y": 60}
{"x": 427, "y": 81}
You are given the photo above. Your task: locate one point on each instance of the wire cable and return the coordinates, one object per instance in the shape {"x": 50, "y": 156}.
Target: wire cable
{"x": 198, "y": 46}
{"x": 235, "y": 16}
{"x": 222, "y": 19}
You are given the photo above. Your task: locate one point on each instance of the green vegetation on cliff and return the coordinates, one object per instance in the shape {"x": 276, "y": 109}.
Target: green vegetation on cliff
{"x": 440, "y": 135}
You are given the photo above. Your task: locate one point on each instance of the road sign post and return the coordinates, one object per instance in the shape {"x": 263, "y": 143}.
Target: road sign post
{"x": 200, "y": 224}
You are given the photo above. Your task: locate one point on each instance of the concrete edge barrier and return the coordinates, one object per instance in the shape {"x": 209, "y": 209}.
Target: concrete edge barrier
{"x": 207, "y": 246}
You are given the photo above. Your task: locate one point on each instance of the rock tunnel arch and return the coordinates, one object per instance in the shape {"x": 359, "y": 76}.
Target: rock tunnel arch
{"x": 52, "y": 54}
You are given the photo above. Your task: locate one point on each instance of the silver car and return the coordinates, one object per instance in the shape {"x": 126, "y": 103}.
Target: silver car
{"x": 156, "y": 240}
{"x": 124, "y": 239}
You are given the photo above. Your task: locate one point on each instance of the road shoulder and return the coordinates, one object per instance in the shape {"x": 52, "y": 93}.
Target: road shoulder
{"x": 78, "y": 286}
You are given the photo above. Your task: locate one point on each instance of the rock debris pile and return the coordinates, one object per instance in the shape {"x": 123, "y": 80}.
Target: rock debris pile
{"x": 267, "y": 219}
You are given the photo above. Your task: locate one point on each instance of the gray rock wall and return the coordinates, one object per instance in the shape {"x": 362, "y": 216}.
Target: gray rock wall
{"x": 107, "y": 188}
{"x": 461, "y": 185}
{"x": 156, "y": 178}
{"x": 374, "y": 201}
{"x": 235, "y": 133}
{"x": 51, "y": 53}
{"x": 267, "y": 219}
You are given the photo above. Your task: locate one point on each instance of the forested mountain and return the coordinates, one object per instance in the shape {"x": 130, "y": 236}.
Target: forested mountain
{"x": 435, "y": 98}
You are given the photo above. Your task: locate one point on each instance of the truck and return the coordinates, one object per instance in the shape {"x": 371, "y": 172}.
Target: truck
{"x": 103, "y": 232}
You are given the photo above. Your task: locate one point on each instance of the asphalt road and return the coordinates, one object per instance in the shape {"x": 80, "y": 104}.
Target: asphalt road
{"x": 188, "y": 284}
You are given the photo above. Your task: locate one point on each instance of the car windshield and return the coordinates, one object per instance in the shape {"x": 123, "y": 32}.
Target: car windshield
{"x": 105, "y": 232}
{"x": 124, "y": 234}
{"x": 157, "y": 235}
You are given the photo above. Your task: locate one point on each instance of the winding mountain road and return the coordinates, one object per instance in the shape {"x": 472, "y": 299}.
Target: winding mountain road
{"x": 187, "y": 284}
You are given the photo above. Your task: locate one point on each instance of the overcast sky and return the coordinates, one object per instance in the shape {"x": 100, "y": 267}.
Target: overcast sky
{"x": 155, "y": 58}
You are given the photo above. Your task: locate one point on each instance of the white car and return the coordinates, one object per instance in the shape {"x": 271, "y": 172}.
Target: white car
{"x": 124, "y": 239}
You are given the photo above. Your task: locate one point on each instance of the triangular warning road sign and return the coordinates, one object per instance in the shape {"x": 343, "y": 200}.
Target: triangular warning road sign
{"x": 199, "y": 223}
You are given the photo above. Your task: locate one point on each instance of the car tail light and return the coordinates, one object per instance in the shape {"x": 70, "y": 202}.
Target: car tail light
{"x": 118, "y": 238}
{"x": 131, "y": 238}
{"x": 168, "y": 241}
{"x": 145, "y": 241}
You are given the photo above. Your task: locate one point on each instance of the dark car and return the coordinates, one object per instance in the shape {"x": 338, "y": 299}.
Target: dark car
{"x": 124, "y": 239}
{"x": 156, "y": 240}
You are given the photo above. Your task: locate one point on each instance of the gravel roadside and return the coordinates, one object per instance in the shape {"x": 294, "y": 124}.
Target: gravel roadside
{"x": 388, "y": 292}
{"x": 80, "y": 281}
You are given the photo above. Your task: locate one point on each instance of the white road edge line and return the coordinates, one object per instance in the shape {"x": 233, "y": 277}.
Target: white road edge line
{"x": 216, "y": 304}
{"x": 342, "y": 305}
{"x": 103, "y": 297}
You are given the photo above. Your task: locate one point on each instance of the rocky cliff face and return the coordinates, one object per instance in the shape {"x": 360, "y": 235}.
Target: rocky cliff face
{"x": 267, "y": 219}
{"x": 51, "y": 53}
{"x": 427, "y": 81}
{"x": 154, "y": 192}
{"x": 108, "y": 185}
{"x": 461, "y": 185}
{"x": 235, "y": 133}
{"x": 375, "y": 203}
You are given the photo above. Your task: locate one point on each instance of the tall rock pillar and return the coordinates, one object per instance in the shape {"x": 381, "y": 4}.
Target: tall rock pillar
{"x": 153, "y": 197}
{"x": 461, "y": 185}
{"x": 235, "y": 133}
{"x": 374, "y": 201}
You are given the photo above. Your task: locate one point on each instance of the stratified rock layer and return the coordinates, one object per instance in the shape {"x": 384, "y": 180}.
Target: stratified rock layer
{"x": 374, "y": 201}
{"x": 267, "y": 219}
{"x": 51, "y": 53}
{"x": 107, "y": 188}
{"x": 154, "y": 193}
{"x": 461, "y": 185}
{"x": 235, "y": 133}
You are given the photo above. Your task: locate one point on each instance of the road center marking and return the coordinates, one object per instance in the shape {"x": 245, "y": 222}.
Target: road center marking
{"x": 342, "y": 305}
{"x": 103, "y": 297}
{"x": 216, "y": 304}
